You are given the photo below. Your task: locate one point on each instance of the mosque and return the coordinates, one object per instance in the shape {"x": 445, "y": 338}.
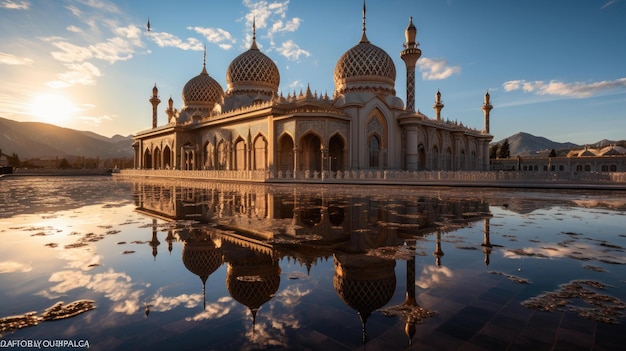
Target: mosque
{"x": 250, "y": 126}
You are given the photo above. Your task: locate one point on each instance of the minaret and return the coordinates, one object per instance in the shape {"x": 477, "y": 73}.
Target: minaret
{"x": 438, "y": 106}
{"x": 486, "y": 109}
{"x": 155, "y": 101}
{"x": 170, "y": 111}
{"x": 410, "y": 55}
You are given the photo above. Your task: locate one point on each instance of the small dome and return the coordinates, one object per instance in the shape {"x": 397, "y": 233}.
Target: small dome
{"x": 252, "y": 72}
{"x": 202, "y": 91}
{"x": 365, "y": 67}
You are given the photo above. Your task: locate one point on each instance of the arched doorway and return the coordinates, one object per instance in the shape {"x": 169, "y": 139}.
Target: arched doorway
{"x": 147, "y": 159}
{"x": 240, "y": 155}
{"x": 157, "y": 158}
{"x": 285, "y": 153}
{"x": 421, "y": 157}
{"x": 435, "y": 158}
{"x": 448, "y": 159}
{"x": 311, "y": 153}
{"x": 335, "y": 152}
{"x": 167, "y": 157}
{"x": 260, "y": 153}
{"x": 462, "y": 161}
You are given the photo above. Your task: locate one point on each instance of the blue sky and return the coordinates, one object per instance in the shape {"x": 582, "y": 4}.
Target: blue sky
{"x": 553, "y": 68}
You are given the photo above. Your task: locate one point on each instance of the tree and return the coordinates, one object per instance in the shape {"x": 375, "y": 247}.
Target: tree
{"x": 493, "y": 151}
{"x": 14, "y": 160}
{"x": 505, "y": 151}
{"x": 552, "y": 153}
{"x": 64, "y": 164}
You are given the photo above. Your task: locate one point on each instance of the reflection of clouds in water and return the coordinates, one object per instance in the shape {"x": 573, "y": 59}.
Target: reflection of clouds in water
{"x": 83, "y": 259}
{"x": 114, "y": 285}
{"x": 215, "y": 310}
{"x": 160, "y": 303}
{"x": 14, "y": 267}
{"x": 290, "y": 297}
{"x": 579, "y": 251}
{"x": 433, "y": 275}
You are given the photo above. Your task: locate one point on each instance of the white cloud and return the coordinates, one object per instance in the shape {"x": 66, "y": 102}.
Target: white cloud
{"x": 164, "y": 39}
{"x": 216, "y": 36}
{"x": 70, "y": 52}
{"x": 14, "y": 5}
{"x": 113, "y": 50}
{"x": 558, "y": 88}
{"x": 9, "y": 59}
{"x": 101, "y": 5}
{"x": 292, "y": 51}
{"x": 433, "y": 275}
{"x": 75, "y": 10}
{"x": 78, "y": 73}
{"x": 74, "y": 29}
{"x": 436, "y": 69}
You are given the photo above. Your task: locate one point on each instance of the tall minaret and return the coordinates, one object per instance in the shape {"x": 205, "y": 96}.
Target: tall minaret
{"x": 438, "y": 106}
{"x": 170, "y": 111}
{"x": 410, "y": 55}
{"x": 155, "y": 101}
{"x": 486, "y": 109}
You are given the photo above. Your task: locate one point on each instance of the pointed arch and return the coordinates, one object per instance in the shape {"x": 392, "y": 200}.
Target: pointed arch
{"x": 310, "y": 152}
{"x": 376, "y": 133}
{"x": 208, "y": 152}
{"x": 434, "y": 160}
{"x": 147, "y": 159}
{"x": 285, "y": 153}
{"x": 421, "y": 157}
{"x": 240, "y": 154}
{"x": 259, "y": 157}
{"x": 157, "y": 158}
{"x": 447, "y": 159}
{"x": 222, "y": 155}
{"x": 336, "y": 146}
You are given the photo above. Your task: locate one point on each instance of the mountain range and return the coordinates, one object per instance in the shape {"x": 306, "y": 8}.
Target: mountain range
{"x": 42, "y": 140}
{"x": 31, "y": 140}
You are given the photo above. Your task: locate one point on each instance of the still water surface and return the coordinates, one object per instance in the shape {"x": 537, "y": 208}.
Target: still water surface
{"x": 189, "y": 265}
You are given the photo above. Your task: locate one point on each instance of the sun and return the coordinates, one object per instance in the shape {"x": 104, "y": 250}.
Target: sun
{"x": 52, "y": 108}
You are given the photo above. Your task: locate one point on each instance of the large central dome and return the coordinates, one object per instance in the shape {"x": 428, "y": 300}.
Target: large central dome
{"x": 365, "y": 67}
{"x": 252, "y": 72}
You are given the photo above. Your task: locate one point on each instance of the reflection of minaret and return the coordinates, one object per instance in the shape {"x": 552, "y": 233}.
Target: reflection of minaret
{"x": 170, "y": 240}
{"x": 486, "y": 241}
{"x": 438, "y": 252}
{"x": 202, "y": 256}
{"x": 410, "y": 311}
{"x": 365, "y": 283}
{"x": 410, "y": 55}
{"x": 154, "y": 243}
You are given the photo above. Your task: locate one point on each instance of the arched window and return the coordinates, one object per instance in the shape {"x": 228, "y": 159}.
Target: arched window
{"x": 421, "y": 156}
{"x": 613, "y": 168}
{"x": 374, "y": 151}
{"x": 260, "y": 153}
{"x": 240, "y": 155}
{"x": 285, "y": 153}
{"x": 435, "y": 158}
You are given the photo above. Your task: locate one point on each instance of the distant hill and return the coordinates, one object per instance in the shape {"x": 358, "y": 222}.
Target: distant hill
{"x": 524, "y": 144}
{"x": 42, "y": 140}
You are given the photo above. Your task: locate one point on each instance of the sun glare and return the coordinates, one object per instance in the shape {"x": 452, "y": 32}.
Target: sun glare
{"x": 52, "y": 108}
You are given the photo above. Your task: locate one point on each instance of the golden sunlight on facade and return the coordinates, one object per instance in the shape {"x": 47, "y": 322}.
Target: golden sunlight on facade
{"x": 363, "y": 127}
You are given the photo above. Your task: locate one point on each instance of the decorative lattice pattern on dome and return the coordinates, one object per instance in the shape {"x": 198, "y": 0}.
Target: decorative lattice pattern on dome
{"x": 202, "y": 89}
{"x": 365, "y": 60}
{"x": 202, "y": 259}
{"x": 365, "y": 295}
{"x": 253, "y": 67}
{"x": 254, "y": 290}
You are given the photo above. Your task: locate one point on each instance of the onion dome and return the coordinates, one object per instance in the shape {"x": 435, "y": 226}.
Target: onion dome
{"x": 202, "y": 91}
{"x": 365, "y": 67}
{"x": 252, "y": 72}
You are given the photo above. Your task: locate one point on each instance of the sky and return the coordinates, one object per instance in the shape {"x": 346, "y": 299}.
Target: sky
{"x": 553, "y": 68}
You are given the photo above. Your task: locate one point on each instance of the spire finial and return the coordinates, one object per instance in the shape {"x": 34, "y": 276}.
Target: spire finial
{"x": 204, "y": 62}
{"x": 253, "y": 46}
{"x": 363, "y": 36}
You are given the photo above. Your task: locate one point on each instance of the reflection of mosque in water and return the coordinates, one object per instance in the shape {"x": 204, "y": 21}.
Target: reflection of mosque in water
{"x": 252, "y": 227}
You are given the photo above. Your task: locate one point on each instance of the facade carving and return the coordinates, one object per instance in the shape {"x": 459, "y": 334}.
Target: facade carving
{"x": 364, "y": 126}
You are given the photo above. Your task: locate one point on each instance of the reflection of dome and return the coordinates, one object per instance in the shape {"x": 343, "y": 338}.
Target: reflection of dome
{"x": 201, "y": 256}
{"x": 253, "y": 72}
{"x": 253, "y": 280}
{"x": 365, "y": 67}
{"x": 202, "y": 91}
{"x": 365, "y": 283}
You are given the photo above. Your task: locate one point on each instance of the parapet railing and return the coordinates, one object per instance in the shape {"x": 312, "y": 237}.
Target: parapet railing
{"x": 383, "y": 176}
